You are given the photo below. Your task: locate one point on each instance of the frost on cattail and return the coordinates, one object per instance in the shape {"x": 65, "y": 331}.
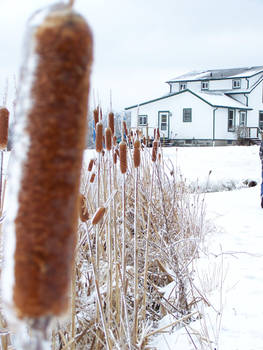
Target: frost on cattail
{"x": 137, "y": 153}
{"x": 111, "y": 122}
{"x": 96, "y": 116}
{"x": 97, "y": 217}
{"x": 154, "y": 150}
{"x": 158, "y": 134}
{"x": 4, "y": 118}
{"x": 99, "y": 137}
{"x": 108, "y": 139}
{"x": 114, "y": 139}
{"x": 92, "y": 178}
{"x": 123, "y": 157}
{"x": 41, "y": 226}
{"x": 91, "y": 163}
{"x": 115, "y": 157}
{"x": 125, "y": 128}
{"x": 83, "y": 210}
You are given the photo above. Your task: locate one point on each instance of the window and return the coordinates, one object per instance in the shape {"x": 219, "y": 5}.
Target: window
{"x": 187, "y": 115}
{"x": 204, "y": 85}
{"x": 142, "y": 120}
{"x": 231, "y": 120}
{"x": 163, "y": 122}
{"x": 182, "y": 86}
{"x": 243, "y": 118}
{"x": 236, "y": 83}
{"x": 260, "y": 120}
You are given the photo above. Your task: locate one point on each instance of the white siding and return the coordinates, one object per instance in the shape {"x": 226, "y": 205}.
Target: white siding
{"x": 240, "y": 98}
{"x": 221, "y": 125}
{"x": 255, "y": 101}
{"x": 254, "y": 79}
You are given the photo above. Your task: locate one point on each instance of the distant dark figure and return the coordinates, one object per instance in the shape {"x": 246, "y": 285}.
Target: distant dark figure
{"x": 261, "y": 158}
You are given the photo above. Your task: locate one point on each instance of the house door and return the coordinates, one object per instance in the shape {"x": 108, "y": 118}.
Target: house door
{"x": 164, "y": 124}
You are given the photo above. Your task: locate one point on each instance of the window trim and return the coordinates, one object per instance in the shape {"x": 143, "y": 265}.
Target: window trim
{"x": 182, "y": 86}
{"x": 144, "y": 116}
{"x": 234, "y": 120}
{"x": 240, "y": 113}
{"x": 184, "y": 117}
{"x": 205, "y": 82}
{"x": 233, "y": 83}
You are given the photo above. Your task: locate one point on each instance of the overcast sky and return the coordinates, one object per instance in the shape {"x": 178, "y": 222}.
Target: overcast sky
{"x": 140, "y": 44}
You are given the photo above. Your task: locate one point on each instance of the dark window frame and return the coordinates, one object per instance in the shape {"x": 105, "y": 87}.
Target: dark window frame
{"x": 231, "y": 129}
{"x": 234, "y": 81}
{"x": 207, "y": 84}
{"x": 186, "y": 118}
{"x": 145, "y": 116}
{"x": 245, "y": 122}
{"x": 182, "y": 86}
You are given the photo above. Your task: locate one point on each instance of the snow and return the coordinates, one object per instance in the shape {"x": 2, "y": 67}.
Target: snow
{"x": 230, "y": 271}
{"x": 221, "y": 100}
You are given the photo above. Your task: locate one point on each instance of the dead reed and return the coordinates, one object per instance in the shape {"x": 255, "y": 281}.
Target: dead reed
{"x": 4, "y": 119}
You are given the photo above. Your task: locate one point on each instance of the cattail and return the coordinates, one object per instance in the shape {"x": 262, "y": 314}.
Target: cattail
{"x": 123, "y": 157}
{"x": 159, "y": 157}
{"x": 158, "y": 134}
{"x": 154, "y": 134}
{"x": 91, "y": 163}
{"x": 83, "y": 210}
{"x": 4, "y": 118}
{"x": 96, "y": 116}
{"x": 108, "y": 138}
{"x": 154, "y": 150}
{"x": 98, "y": 215}
{"x": 117, "y": 152}
{"x": 144, "y": 140}
{"x": 125, "y": 128}
{"x": 40, "y": 232}
{"x": 92, "y": 178}
{"x": 99, "y": 137}
{"x": 115, "y": 157}
{"x": 131, "y": 133}
{"x": 137, "y": 153}
{"x": 114, "y": 139}
{"x": 102, "y": 152}
{"x": 111, "y": 122}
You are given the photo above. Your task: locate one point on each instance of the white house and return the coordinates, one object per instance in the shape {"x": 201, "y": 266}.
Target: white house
{"x": 206, "y": 107}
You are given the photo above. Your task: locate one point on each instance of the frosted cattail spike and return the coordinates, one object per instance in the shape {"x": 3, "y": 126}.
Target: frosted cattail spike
{"x": 123, "y": 157}
{"x": 83, "y": 210}
{"x": 125, "y": 128}
{"x": 114, "y": 139}
{"x": 97, "y": 217}
{"x": 44, "y": 174}
{"x": 99, "y": 137}
{"x": 154, "y": 150}
{"x": 108, "y": 138}
{"x": 92, "y": 178}
{"x": 4, "y": 118}
{"x": 114, "y": 157}
{"x": 137, "y": 153}
{"x": 91, "y": 163}
{"x": 111, "y": 122}
{"x": 96, "y": 117}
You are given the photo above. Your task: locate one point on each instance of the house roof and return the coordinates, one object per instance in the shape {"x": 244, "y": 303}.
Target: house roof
{"x": 213, "y": 99}
{"x": 218, "y": 74}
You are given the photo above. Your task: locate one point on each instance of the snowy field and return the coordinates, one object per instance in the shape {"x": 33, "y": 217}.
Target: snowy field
{"x": 230, "y": 270}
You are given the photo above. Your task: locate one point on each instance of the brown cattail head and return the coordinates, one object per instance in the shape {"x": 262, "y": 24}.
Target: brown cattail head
{"x": 99, "y": 137}
{"x": 108, "y": 137}
{"x": 154, "y": 150}
{"x": 159, "y": 156}
{"x": 115, "y": 157}
{"x": 123, "y": 157}
{"x": 97, "y": 217}
{"x": 117, "y": 152}
{"x": 4, "y": 118}
{"x": 154, "y": 134}
{"x": 91, "y": 163}
{"x": 137, "y": 153}
{"x": 47, "y": 213}
{"x": 158, "y": 134}
{"x": 125, "y": 128}
{"x": 96, "y": 116}
{"x": 144, "y": 140}
{"x": 131, "y": 133}
{"x": 83, "y": 210}
{"x": 114, "y": 139}
{"x": 92, "y": 178}
{"x": 111, "y": 122}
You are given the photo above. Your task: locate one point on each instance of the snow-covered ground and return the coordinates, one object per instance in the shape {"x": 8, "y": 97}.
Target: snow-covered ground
{"x": 230, "y": 272}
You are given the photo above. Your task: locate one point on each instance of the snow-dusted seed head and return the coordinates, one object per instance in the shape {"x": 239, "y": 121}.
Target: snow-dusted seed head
{"x": 111, "y": 122}
{"x": 97, "y": 217}
{"x": 108, "y": 139}
{"x": 92, "y": 178}
{"x": 91, "y": 163}
{"x": 99, "y": 137}
{"x": 96, "y": 116}
{"x": 115, "y": 157}
{"x": 144, "y": 140}
{"x": 4, "y": 118}
{"x": 125, "y": 128}
{"x": 83, "y": 210}
{"x": 158, "y": 134}
{"x": 114, "y": 139}
{"x": 154, "y": 150}
{"x": 123, "y": 157}
{"x": 137, "y": 153}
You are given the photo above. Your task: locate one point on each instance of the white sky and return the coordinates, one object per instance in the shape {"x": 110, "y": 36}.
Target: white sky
{"x": 139, "y": 44}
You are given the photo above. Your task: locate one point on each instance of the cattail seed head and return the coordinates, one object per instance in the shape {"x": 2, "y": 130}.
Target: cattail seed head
{"x": 83, "y": 210}
{"x": 117, "y": 152}
{"x": 91, "y": 163}
{"x": 114, "y": 139}
{"x": 123, "y": 157}
{"x": 99, "y": 137}
{"x": 144, "y": 140}
{"x": 108, "y": 137}
{"x": 111, "y": 122}
{"x": 92, "y": 178}
{"x": 159, "y": 157}
{"x": 125, "y": 128}
{"x": 97, "y": 217}
{"x": 137, "y": 153}
{"x": 45, "y": 220}
{"x": 158, "y": 134}
{"x": 154, "y": 150}
{"x": 115, "y": 157}
{"x": 96, "y": 116}
{"x": 4, "y": 118}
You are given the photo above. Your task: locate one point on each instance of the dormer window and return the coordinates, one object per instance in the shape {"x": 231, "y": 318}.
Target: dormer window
{"x": 236, "y": 83}
{"x": 204, "y": 85}
{"x": 182, "y": 86}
